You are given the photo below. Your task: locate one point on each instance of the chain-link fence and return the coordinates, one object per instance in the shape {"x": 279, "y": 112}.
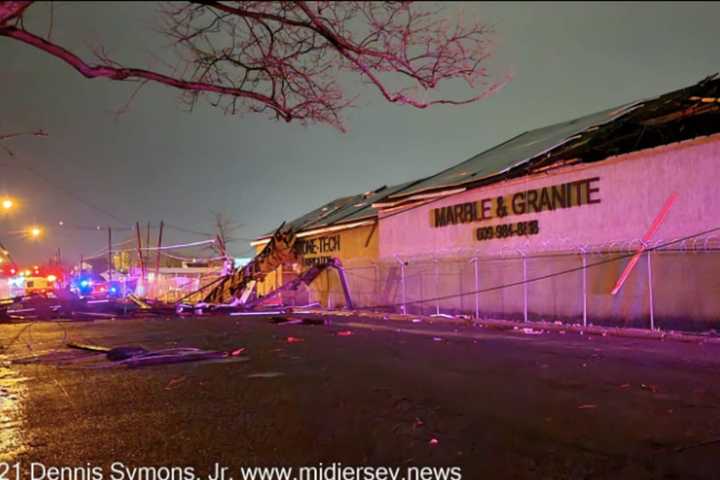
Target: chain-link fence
{"x": 171, "y": 287}
{"x": 674, "y": 285}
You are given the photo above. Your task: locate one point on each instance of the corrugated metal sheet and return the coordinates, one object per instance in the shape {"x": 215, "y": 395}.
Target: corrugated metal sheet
{"x": 519, "y": 151}
{"x": 513, "y": 153}
{"x": 345, "y": 209}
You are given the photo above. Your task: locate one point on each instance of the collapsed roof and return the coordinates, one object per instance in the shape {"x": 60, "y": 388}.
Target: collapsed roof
{"x": 679, "y": 115}
{"x": 344, "y": 210}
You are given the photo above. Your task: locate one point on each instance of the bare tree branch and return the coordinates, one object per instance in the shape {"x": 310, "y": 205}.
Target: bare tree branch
{"x": 7, "y": 136}
{"x": 35, "y": 133}
{"x": 287, "y": 58}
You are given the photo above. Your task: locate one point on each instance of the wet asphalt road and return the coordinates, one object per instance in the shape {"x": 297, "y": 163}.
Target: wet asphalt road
{"x": 501, "y": 405}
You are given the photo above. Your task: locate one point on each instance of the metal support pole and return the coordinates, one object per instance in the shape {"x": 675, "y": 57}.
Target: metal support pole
{"x": 525, "y": 289}
{"x": 344, "y": 283}
{"x": 404, "y": 288}
{"x": 584, "y": 287}
{"x": 650, "y": 290}
{"x": 403, "y": 306}
{"x": 437, "y": 285}
{"x": 476, "y": 269}
{"x": 421, "y": 289}
{"x": 378, "y": 285}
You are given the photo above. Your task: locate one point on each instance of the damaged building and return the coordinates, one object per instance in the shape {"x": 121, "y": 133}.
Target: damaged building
{"x": 543, "y": 225}
{"x": 345, "y": 229}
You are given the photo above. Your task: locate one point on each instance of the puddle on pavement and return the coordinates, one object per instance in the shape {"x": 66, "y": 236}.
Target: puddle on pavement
{"x": 12, "y": 393}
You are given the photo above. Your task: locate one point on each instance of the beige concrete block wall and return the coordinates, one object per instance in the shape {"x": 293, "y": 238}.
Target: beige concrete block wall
{"x": 632, "y": 190}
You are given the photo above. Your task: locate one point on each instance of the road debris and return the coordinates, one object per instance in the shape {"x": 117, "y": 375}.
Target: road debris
{"x": 173, "y": 383}
{"x": 312, "y": 321}
{"x": 266, "y": 375}
{"x": 284, "y": 320}
{"x": 529, "y": 331}
{"x": 88, "y": 347}
{"x": 123, "y": 353}
{"x": 93, "y": 356}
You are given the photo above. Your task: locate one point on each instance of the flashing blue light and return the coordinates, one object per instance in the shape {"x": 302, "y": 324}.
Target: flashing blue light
{"x": 113, "y": 290}
{"x": 84, "y": 283}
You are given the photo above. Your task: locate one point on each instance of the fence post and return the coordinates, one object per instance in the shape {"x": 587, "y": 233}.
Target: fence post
{"x": 421, "y": 286}
{"x": 650, "y": 290}
{"x": 525, "y": 288}
{"x": 437, "y": 285}
{"x": 403, "y": 306}
{"x": 477, "y": 287}
{"x": 584, "y": 286}
{"x": 378, "y": 285}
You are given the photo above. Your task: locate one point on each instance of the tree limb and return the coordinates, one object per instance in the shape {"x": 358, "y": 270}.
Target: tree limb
{"x": 288, "y": 57}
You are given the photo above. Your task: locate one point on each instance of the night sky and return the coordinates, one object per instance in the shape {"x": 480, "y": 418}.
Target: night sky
{"x": 159, "y": 162}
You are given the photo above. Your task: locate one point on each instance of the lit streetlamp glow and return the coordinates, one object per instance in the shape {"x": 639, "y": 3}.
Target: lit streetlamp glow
{"x": 35, "y": 232}
{"x": 7, "y": 204}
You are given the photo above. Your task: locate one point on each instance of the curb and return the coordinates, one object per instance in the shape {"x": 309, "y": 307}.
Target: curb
{"x": 521, "y": 327}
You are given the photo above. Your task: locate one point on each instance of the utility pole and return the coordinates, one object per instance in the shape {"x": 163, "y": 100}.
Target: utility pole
{"x": 110, "y": 257}
{"x": 220, "y": 241}
{"x": 139, "y": 249}
{"x": 147, "y": 236}
{"x": 157, "y": 265}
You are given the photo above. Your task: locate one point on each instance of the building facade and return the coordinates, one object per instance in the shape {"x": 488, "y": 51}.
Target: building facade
{"x": 594, "y": 214}
{"x": 543, "y": 226}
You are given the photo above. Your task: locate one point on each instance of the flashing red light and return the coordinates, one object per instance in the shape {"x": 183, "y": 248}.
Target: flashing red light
{"x": 8, "y": 269}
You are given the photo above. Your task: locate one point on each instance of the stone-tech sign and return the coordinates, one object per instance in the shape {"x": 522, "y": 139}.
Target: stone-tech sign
{"x": 566, "y": 195}
{"x": 317, "y": 250}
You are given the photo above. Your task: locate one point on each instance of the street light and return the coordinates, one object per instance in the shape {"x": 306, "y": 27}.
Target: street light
{"x": 7, "y": 204}
{"x": 35, "y": 231}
